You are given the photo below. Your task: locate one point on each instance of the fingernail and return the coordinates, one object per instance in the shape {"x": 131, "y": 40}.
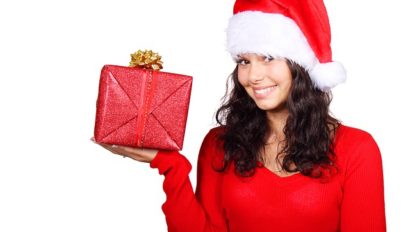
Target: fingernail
{"x": 114, "y": 146}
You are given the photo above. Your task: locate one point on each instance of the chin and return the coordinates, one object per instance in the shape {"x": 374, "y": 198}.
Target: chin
{"x": 271, "y": 106}
{"x": 266, "y": 106}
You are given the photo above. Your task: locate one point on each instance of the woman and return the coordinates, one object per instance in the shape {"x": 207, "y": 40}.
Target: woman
{"x": 279, "y": 161}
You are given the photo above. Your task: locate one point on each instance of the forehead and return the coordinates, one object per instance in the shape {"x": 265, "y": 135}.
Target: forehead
{"x": 251, "y": 55}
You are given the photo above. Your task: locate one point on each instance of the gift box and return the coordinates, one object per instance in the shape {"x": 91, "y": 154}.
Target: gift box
{"x": 140, "y": 107}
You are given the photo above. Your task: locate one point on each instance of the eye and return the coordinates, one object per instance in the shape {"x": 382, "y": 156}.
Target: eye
{"x": 241, "y": 61}
{"x": 268, "y": 58}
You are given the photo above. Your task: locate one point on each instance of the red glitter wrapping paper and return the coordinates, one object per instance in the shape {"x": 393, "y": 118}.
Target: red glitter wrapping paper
{"x": 142, "y": 108}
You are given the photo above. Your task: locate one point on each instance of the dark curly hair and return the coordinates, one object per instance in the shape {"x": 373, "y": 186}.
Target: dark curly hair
{"x": 309, "y": 129}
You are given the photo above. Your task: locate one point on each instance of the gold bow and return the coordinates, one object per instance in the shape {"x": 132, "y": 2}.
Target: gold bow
{"x": 146, "y": 59}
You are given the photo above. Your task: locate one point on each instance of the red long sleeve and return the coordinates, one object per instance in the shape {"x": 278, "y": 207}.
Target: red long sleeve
{"x": 184, "y": 210}
{"x": 362, "y": 207}
{"x": 352, "y": 200}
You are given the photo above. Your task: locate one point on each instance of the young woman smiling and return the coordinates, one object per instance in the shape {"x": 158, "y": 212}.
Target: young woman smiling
{"x": 278, "y": 161}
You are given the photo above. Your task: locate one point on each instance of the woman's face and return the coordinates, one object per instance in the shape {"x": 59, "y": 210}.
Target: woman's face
{"x": 266, "y": 80}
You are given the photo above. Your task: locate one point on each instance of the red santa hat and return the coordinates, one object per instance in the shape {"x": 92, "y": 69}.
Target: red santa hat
{"x": 298, "y": 30}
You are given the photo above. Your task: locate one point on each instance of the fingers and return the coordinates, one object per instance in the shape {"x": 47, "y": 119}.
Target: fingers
{"x": 139, "y": 154}
{"x": 114, "y": 149}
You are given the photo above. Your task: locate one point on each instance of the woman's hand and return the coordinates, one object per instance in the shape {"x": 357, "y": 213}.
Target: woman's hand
{"x": 139, "y": 154}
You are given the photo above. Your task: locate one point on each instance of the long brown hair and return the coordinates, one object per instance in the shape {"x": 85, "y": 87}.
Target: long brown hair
{"x": 309, "y": 129}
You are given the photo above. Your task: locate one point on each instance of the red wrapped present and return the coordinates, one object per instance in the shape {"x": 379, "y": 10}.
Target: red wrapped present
{"x": 142, "y": 108}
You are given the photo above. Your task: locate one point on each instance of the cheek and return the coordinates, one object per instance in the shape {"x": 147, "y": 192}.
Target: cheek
{"x": 284, "y": 80}
{"x": 288, "y": 85}
{"x": 242, "y": 79}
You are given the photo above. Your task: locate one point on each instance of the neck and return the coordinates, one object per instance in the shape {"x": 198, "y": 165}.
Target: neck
{"x": 277, "y": 121}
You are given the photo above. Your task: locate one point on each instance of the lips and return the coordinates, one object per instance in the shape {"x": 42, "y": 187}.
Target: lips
{"x": 263, "y": 92}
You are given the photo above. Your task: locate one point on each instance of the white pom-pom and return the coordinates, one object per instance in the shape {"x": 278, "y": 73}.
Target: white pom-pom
{"x": 328, "y": 75}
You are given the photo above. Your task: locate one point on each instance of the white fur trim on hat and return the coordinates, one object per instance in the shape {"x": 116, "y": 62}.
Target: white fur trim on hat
{"x": 328, "y": 75}
{"x": 279, "y": 36}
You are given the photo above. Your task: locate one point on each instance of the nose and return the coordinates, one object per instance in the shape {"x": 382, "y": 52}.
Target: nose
{"x": 255, "y": 73}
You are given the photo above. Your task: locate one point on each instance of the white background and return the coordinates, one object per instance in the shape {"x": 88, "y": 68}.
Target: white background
{"x": 53, "y": 178}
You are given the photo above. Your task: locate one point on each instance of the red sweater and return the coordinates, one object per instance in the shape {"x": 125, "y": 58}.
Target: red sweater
{"x": 351, "y": 201}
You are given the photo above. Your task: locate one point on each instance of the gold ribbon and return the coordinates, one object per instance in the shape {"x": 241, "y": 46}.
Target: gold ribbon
{"x": 146, "y": 59}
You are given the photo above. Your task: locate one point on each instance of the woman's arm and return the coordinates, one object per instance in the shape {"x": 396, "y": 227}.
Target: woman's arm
{"x": 184, "y": 210}
{"x": 363, "y": 192}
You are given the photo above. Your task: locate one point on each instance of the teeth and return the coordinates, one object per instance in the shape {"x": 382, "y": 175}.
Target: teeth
{"x": 263, "y": 91}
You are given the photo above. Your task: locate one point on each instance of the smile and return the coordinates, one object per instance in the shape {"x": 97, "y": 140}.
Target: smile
{"x": 263, "y": 92}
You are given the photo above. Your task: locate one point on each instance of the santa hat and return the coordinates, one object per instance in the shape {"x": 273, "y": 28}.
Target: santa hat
{"x": 292, "y": 29}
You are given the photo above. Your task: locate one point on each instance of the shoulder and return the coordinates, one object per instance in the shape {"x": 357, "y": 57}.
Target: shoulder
{"x": 213, "y": 137}
{"x": 351, "y": 131}
{"x": 352, "y": 137}
{"x": 212, "y": 146}
{"x": 355, "y": 147}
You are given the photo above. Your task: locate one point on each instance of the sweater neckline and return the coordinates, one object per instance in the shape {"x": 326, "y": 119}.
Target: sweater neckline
{"x": 294, "y": 177}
